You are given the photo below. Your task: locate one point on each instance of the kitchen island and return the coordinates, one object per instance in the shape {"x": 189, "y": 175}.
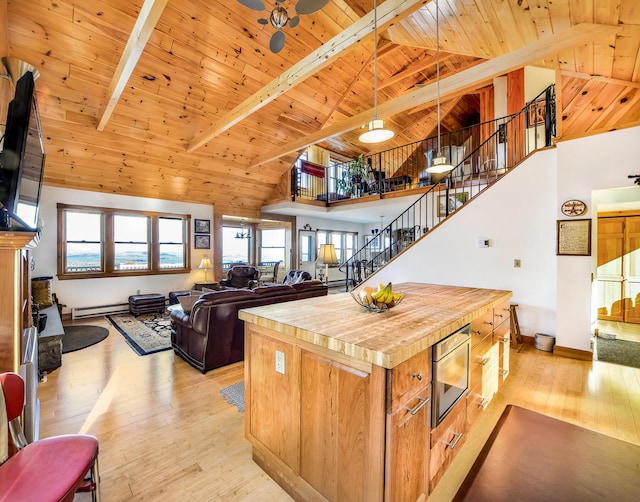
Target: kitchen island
{"x": 337, "y": 397}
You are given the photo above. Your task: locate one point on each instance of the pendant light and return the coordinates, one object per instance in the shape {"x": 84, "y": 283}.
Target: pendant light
{"x": 440, "y": 164}
{"x": 376, "y": 132}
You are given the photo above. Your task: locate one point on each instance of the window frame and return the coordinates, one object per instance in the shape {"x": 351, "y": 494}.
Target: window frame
{"x": 108, "y": 243}
{"x": 341, "y": 250}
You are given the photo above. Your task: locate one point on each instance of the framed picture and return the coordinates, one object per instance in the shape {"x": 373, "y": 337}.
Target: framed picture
{"x": 535, "y": 113}
{"x": 202, "y": 241}
{"x": 202, "y": 227}
{"x": 574, "y": 237}
{"x": 455, "y": 201}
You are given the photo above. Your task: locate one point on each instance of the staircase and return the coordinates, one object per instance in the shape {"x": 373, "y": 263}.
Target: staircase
{"x": 502, "y": 144}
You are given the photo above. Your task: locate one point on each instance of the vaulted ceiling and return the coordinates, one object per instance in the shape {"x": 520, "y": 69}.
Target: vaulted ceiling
{"x": 183, "y": 100}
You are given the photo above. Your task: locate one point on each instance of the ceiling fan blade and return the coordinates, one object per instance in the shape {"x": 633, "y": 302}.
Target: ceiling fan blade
{"x": 277, "y": 42}
{"x": 310, "y": 6}
{"x": 263, "y": 21}
{"x": 253, "y": 4}
{"x": 293, "y": 22}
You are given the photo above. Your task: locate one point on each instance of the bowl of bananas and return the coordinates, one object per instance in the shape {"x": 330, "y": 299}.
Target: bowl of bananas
{"x": 378, "y": 300}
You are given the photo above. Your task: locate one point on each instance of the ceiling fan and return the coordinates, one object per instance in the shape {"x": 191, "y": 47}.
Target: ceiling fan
{"x": 279, "y": 17}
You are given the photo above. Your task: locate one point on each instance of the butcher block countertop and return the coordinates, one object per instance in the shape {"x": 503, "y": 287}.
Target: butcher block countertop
{"x": 428, "y": 313}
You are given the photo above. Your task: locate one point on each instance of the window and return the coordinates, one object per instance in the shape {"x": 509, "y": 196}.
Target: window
{"x": 100, "y": 242}
{"x": 344, "y": 242}
{"x": 272, "y": 245}
{"x": 235, "y": 245}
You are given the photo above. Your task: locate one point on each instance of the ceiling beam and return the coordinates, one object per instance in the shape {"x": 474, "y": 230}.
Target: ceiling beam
{"x": 599, "y": 78}
{"x": 455, "y": 85}
{"x": 142, "y": 30}
{"x": 390, "y": 12}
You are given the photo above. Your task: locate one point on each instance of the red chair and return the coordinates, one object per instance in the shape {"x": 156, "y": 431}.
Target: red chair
{"x": 47, "y": 470}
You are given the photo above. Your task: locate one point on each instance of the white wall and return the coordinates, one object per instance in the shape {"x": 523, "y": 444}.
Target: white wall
{"x": 92, "y": 292}
{"x": 585, "y": 166}
{"x": 517, "y": 216}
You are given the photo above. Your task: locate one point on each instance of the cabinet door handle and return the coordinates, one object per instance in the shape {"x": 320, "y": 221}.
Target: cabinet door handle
{"x": 417, "y": 375}
{"x": 490, "y": 323}
{"x": 424, "y": 401}
{"x": 499, "y": 315}
{"x": 505, "y": 339}
{"x": 505, "y": 372}
{"x": 478, "y": 332}
{"x": 456, "y": 439}
{"x": 484, "y": 361}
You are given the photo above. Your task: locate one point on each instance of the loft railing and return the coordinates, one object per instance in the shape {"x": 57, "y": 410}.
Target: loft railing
{"x": 495, "y": 147}
{"x": 475, "y": 150}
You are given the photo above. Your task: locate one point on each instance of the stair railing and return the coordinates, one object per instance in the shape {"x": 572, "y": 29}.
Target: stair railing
{"x": 503, "y": 144}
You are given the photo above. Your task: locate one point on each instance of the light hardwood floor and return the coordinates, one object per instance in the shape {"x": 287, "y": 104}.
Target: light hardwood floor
{"x": 166, "y": 434}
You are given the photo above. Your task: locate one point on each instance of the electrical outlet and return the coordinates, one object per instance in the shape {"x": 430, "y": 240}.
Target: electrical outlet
{"x": 516, "y": 263}
{"x": 280, "y": 362}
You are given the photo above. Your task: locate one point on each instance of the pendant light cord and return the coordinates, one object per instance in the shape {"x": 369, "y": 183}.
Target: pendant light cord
{"x": 438, "y": 69}
{"x": 375, "y": 58}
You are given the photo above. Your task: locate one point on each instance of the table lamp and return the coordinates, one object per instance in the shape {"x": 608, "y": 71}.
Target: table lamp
{"x": 205, "y": 264}
{"x": 327, "y": 256}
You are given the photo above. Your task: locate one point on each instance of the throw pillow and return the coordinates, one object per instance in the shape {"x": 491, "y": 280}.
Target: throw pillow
{"x": 187, "y": 301}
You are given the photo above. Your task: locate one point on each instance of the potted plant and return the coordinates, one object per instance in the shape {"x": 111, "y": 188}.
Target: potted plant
{"x": 353, "y": 175}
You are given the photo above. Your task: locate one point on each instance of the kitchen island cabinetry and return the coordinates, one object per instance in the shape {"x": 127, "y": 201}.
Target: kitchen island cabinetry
{"x": 338, "y": 399}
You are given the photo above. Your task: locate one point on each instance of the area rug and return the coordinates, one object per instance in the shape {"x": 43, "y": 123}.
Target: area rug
{"x": 79, "y": 336}
{"x": 146, "y": 333}
{"x": 234, "y": 394}
{"x": 618, "y": 352}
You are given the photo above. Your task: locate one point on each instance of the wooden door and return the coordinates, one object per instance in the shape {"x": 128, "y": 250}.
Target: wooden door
{"x": 631, "y": 262}
{"x": 609, "y": 273}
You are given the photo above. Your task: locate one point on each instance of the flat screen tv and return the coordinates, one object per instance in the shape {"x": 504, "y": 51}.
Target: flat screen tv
{"x": 21, "y": 160}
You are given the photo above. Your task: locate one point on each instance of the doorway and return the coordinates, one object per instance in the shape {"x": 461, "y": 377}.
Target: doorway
{"x": 617, "y": 333}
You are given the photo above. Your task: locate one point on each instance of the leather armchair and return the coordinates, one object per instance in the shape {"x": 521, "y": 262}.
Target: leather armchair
{"x": 241, "y": 276}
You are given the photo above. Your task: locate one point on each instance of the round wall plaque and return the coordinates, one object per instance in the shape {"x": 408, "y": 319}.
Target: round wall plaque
{"x": 573, "y": 208}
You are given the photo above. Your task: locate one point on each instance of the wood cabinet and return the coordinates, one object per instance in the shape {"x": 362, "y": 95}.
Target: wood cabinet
{"x": 489, "y": 362}
{"x": 320, "y": 425}
{"x": 408, "y": 429}
{"x": 15, "y": 295}
{"x": 446, "y": 441}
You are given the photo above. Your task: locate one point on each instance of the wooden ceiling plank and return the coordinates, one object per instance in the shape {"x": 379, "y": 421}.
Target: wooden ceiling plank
{"x": 455, "y": 84}
{"x": 389, "y": 12}
{"x": 585, "y": 76}
{"x": 142, "y": 30}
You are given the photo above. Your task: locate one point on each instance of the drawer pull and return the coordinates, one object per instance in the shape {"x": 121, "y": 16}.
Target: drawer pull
{"x": 483, "y": 403}
{"x": 456, "y": 439}
{"x": 505, "y": 339}
{"x": 424, "y": 402}
{"x": 484, "y": 361}
{"x": 505, "y": 372}
{"x": 478, "y": 332}
{"x": 417, "y": 375}
{"x": 490, "y": 323}
{"x": 500, "y": 316}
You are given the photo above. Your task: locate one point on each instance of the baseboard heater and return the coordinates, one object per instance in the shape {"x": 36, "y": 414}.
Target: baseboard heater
{"x": 99, "y": 310}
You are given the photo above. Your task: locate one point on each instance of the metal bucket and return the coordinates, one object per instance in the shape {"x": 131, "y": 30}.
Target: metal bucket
{"x": 544, "y": 342}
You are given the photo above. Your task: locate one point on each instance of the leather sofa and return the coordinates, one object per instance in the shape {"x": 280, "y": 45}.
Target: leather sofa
{"x": 211, "y": 335}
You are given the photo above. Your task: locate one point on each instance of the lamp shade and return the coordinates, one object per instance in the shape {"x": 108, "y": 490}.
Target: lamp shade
{"x": 440, "y": 165}
{"x": 205, "y": 263}
{"x": 327, "y": 255}
{"x": 376, "y": 132}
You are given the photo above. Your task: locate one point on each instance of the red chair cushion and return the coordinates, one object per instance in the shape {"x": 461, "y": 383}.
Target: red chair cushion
{"x": 48, "y": 470}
